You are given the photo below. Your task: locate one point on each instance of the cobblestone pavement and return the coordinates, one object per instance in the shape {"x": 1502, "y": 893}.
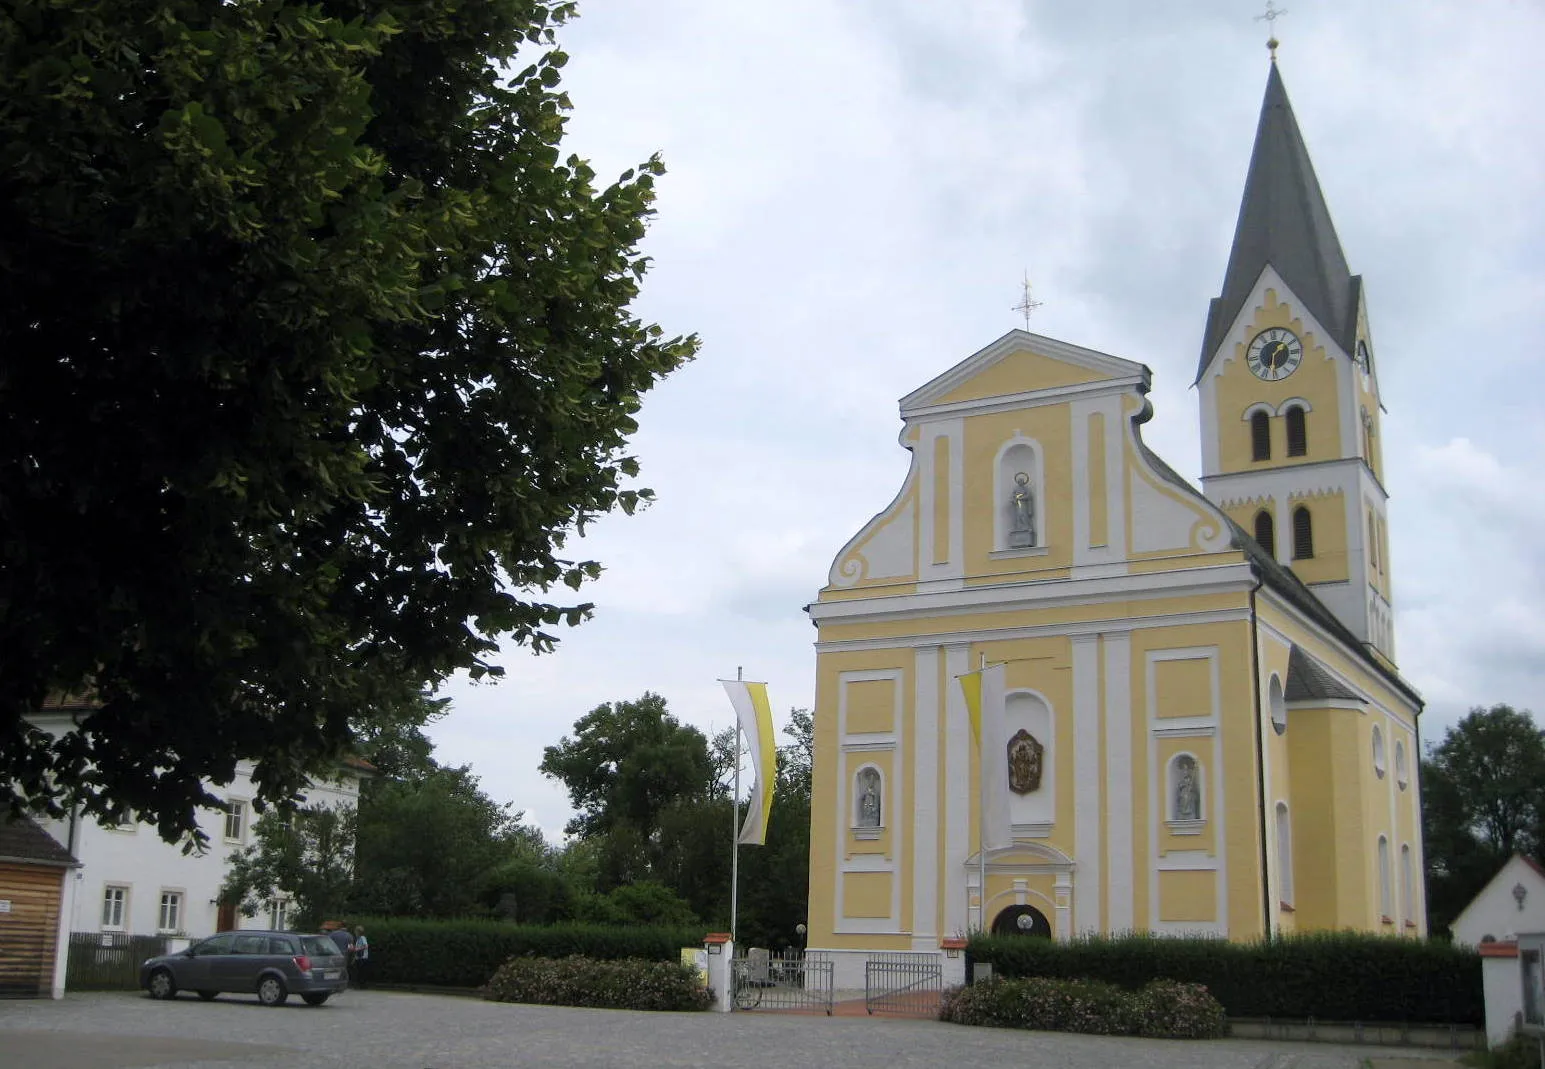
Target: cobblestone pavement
{"x": 392, "y": 1030}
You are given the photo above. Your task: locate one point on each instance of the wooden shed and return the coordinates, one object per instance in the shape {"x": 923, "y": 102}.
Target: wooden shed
{"x": 34, "y": 869}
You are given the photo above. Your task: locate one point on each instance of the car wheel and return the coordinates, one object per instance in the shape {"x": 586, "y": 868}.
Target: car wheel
{"x": 316, "y": 998}
{"x": 209, "y": 996}
{"x": 161, "y": 984}
{"x": 271, "y": 991}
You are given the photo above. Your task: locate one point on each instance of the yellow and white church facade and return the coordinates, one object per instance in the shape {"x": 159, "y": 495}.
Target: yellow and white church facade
{"x": 1206, "y": 729}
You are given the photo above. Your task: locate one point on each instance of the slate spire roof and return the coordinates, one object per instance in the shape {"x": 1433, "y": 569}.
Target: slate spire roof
{"x": 1283, "y": 221}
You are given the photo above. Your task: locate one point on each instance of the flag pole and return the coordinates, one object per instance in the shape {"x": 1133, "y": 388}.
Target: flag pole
{"x": 735, "y": 828}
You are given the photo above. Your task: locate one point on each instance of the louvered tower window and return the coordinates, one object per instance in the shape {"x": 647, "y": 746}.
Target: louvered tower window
{"x": 1260, "y": 436}
{"x": 1265, "y": 533}
{"x": 1298, "y": 432}
{"x": 1303, "y": 534}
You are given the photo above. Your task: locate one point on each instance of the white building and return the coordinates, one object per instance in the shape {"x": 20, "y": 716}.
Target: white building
{"x": 132, "y": 882}
{"x": 1511, "y": 905}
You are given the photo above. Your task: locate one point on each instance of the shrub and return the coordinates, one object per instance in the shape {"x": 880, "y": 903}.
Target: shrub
{"x": 1339, "y": 976}
{"x": 466, "y": 953}
{"x": 1169, "y": 1009}
{"x": 1162, "y": 1010}
{"x": 629, "y": 984}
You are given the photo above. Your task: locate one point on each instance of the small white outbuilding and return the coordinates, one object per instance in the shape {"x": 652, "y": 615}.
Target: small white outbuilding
{"x": 1511, "y": 905}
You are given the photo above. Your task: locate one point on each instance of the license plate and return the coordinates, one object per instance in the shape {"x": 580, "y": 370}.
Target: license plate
{"x": 331, "y": 974}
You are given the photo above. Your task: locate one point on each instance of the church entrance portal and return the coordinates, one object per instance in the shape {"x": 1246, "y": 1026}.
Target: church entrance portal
{"x": 1022, "y": 920}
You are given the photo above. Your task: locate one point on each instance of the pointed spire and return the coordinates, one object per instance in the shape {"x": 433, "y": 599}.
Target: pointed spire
{"x": 1283, "y": 221}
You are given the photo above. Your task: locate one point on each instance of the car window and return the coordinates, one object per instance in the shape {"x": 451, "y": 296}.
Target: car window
{"x": 215, "y": 944}
{"x": 280, "y": 945}
{"x": 252, "y": 944}
{"x": 318, "y": 946}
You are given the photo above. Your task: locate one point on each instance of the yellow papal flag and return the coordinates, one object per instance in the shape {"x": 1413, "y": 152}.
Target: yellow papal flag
{"x": 754, "y": 714}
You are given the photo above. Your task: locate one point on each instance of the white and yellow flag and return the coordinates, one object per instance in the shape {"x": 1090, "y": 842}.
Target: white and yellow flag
{"x": 984, "y": 691}
{"x": 755, "y": 717}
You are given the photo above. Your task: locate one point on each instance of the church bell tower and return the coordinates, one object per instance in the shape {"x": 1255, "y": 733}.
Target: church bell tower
{"x": 1289, "y": 390}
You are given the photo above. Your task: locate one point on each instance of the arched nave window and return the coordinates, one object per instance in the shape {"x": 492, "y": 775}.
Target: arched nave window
{"x": 1386, "y": 907}
{"x": 1297, "y": 431}
{"x": 1373, "y": 542}
{"x": 1402, "y": 776}
{"x": 1407, "y": 890}
{"x": 1378, "y": 754}
{"x": 1284, "y": 855}
{"x": 1266, "y": 532}
{"x": 1303, "y": 534}
{"x": 1260, "y": 436}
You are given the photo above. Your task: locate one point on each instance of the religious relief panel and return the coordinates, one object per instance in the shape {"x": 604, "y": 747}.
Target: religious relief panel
{"x": 867, "y": 795}
{"x": 1026, "y": 760}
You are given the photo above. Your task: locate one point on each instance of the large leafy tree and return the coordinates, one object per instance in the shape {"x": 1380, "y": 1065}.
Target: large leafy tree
{"x": 316, "y": 346}
{"x": 306, "y": 854}
{"x": 1483, "y": 800}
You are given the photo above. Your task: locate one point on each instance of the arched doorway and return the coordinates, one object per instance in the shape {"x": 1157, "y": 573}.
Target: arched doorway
{"x": 1022, "y": 920}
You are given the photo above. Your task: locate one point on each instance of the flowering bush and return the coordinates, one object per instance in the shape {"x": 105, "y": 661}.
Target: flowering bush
{"x": 1162, "y": 1010}
{"x": 626, "y": 984}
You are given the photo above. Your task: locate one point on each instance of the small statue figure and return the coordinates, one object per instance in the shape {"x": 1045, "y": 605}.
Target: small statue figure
{"x": 1022, "y": 505}
{"x": 1188, "y": 796}
{"x": 869, "y": 800}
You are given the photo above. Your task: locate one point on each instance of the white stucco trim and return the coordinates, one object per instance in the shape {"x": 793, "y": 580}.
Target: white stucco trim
{"x": 1086, "y": 781}
{"x": 957, "y": 781}
{"x": 1006, "y": 634}
{"x": 1120, "y": 373}
{"x": 925, "y": 794}
{"x": 892, "y": 801}
{"x": 1118, "y": 764}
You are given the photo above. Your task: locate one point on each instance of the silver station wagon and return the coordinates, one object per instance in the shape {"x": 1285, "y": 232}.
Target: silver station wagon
{"x": 271, "y": 965}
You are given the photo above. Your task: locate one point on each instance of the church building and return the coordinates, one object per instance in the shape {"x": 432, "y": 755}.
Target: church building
{"x": 1198, "y": 724}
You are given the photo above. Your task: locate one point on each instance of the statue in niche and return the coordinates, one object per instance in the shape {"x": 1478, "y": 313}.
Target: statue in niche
{"x": 868, "y": 799}
{"x": 1188, "y": 793}
{"x": 1022, "y": 509}
{"x": 1027, "y": 758}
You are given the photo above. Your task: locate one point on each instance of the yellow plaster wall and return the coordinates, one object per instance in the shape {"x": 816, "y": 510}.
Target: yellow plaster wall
{"x": 1327, "y": 513}
{"x": 871, "y": 705}
{"x": 1314, "y": 380}
{"x": 941, "y": 500}
{"x": 1188, "y": 896}
{"x": 828, "y": 775}
{"x": 1244, "y": 513}
{"x": 1099, "y": 534}
{"x": 1237, "y": 736}
{"x": 1021, "y": 372}
{"x": 866, "y": 894}
{"x": 1184, "y": 687}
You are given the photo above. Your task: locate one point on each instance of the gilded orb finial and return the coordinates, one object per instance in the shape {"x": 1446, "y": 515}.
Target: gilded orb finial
{"x": 1273, "y": 12}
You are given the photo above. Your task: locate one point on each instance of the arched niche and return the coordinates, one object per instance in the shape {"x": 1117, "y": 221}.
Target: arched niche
{"x": 868, "y": 800}
{"x": 1186, "y": 790}
{"x": 1031, "y": 812}
{"x": 1019, "y": 496}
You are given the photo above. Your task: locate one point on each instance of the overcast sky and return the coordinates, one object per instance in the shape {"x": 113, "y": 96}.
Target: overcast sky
{"x": 855, "y": 188}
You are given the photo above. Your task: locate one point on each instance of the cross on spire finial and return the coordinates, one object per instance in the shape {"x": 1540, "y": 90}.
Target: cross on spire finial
{"x": 1027, "y": 303}
{"x": 1273, "y": 12}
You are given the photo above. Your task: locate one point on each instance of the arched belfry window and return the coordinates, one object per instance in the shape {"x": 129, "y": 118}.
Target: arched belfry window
{"x": 1297, "y": 432}
{"x": 1303, "y": 534}
{"x": 1266, "y": 532}
{"x": 1260, "y": 436}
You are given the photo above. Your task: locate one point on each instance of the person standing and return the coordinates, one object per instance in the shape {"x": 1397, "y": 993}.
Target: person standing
{"x": 344, "y": 941}
{"x": 361, "y": 960}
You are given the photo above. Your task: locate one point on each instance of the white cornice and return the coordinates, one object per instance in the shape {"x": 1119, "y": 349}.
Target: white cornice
{"x": 1212, "y": 579}
{"x": 1112, "y": 625}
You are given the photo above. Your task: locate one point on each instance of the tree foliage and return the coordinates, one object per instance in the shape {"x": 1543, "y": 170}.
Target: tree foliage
{"x": 306, "y": 854}
{"x": 317, "y": 346}
{"x": 1483, "y": 800}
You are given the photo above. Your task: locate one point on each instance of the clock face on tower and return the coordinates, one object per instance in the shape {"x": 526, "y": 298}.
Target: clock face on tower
{"x": 1275, "y": 353}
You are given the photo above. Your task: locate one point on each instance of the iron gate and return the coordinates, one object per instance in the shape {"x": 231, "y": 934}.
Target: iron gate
{"x": 907, "y": 985}
{"x": 782, "y": 980}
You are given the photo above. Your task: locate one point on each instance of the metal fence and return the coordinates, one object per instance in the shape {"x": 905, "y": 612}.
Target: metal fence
{"x": 783, "y": 980}
{"x": 903, "y": 985}
{"x": 108, "y": 960}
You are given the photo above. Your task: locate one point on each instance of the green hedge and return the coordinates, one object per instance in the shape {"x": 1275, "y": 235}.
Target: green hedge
{"x": 1163, "y": 1009}
{"x": 630, "y": 984}
{"x": 1341, "y": 976}
{"x": 465, "y": 953}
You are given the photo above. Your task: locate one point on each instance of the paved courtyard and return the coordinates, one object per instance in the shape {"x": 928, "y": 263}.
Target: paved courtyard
{"x": 391, "y": 1030}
